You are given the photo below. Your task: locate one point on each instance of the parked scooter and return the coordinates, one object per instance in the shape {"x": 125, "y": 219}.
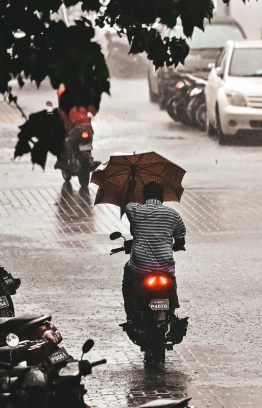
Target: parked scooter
{"x": 154, "y": 327}
{"x": 177, "y": 98}
{"x": 45, "y": 386}
{"x": 8, "y": 288}
{"x": 35, "y": 333}
{"x": 185, "y": 101}
{"x": 196, "y": 106}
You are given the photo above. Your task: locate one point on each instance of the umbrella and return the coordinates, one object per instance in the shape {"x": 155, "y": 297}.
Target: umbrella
{"x": 113, "y": 178}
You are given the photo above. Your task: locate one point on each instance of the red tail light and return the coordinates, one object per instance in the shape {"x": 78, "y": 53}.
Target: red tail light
{"x": 48, "y": 332}
{"x": 85, "y": 134}
{"x": 52, "y": 336}
{"x": 156, "y": 280}
{"x": 179, "y": 84}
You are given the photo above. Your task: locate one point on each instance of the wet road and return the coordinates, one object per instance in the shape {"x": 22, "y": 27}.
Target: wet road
{"x": 57, "y": 242}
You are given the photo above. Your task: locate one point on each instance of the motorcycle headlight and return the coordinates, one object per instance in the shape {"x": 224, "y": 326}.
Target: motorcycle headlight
{"x": 235, "y": 98}
{"x": 195, "y": 91}
{"x": 12, "y": 340}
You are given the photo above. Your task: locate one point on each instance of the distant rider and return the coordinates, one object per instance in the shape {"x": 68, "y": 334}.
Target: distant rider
{"x": 73, "y": 116}
{"x": 154, "y": 228}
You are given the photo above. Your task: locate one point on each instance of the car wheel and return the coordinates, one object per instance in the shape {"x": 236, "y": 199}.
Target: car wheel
{"x": 222, "y": 138}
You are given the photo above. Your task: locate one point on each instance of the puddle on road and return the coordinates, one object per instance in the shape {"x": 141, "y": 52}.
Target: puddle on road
{"x": 153, "y": 383}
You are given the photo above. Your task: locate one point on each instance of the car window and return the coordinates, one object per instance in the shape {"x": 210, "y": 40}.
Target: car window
{"x": 214, "y": 36}
{"x": 220, "y": 58}
{"x": 246, "y": 62}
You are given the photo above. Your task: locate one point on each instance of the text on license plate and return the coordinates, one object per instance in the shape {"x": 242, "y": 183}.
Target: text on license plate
{"x": 84, "y": 148}
{"x": 3, "y": 302}
{"x": 159, "y": 304}
{"x": 59, "y": 355}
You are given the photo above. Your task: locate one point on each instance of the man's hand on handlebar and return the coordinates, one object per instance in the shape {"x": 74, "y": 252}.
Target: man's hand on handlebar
{"x": 179, "y": 244}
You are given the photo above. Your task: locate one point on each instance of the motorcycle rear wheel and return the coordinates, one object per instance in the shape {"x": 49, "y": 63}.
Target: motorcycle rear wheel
{"x": 158, "y": 353}
{"x": 172, "y": 109}
{"x": 66, "y": 174}
{"x": 84, "y": 177}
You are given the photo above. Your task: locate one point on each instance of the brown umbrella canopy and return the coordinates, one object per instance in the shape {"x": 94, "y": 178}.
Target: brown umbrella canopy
{"x": 143, "y": 168}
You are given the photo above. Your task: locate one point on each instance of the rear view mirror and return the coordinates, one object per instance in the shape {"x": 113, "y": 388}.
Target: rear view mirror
{"x": 220, "y": 72}
{"x": 115, "y": 235}
{"x": 211, "y": 65}
{"x": 87, "y": 346}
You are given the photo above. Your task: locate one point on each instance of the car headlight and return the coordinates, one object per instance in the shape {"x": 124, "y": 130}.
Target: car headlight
{"x": 235, "y": 98}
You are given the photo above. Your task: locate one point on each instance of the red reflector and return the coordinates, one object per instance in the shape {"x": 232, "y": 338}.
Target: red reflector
{"x": 85, "y": 134}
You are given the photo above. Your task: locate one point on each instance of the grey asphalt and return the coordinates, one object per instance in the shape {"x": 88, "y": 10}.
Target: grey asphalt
{"x": 57, "y": 242}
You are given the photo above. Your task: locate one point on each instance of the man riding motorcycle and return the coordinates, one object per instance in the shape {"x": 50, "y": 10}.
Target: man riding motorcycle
{"x": 73, "y": 116}
{"x": 154, "y": 227}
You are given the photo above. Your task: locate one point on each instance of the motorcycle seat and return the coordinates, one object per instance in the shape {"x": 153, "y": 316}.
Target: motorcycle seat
{"x": 18, "y": 325}
{"x": 167, "y": 403}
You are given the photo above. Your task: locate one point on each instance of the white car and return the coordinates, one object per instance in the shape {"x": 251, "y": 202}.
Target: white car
{"x": 234, "y": 91}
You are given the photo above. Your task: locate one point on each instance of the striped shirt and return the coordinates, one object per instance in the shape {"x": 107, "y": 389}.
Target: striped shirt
{"x": 153, "y": 227}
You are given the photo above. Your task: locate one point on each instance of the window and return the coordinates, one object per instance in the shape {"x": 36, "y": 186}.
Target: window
{"x": 246, "y": 62}
{"x": 214, "y": 36}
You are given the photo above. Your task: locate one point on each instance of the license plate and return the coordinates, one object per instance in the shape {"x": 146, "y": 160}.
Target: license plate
{"x": 59, "y": 355}
{"x": 3, "y": 302}
{"x": 159, "y": 304}
{"x": 84, "y": 148}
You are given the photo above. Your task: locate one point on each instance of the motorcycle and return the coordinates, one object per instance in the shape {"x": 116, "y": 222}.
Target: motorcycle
{"x": 45, "y": 386}
{"x": 196, "y": 106}
{"x": 177, "y": 98}
{"x": 35, "y": 333}
{"x": 76, "y": 158}
{"x": 153, "y": 327}
{"x": 8, "y": 288}
{"x": 185, "y": 101}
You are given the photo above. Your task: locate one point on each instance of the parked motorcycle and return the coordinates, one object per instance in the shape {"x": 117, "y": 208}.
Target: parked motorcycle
{"x": 185, "y": 101}
{"x": 154, "y": 327}
{"x": 196, "y": 106}
{"x": 8, "y": 288}
{"x": 35, "y": 333}
{"x": 46, "y": 387}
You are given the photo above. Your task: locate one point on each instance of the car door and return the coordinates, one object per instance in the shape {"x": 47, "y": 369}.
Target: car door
{"x": 214, "y": 82}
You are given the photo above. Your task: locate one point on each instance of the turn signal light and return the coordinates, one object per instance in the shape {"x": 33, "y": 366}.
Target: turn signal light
{"x": 85, "y": 134}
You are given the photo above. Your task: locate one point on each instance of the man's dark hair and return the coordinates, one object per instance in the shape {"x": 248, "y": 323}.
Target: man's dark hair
{"x": 153, "y": 190}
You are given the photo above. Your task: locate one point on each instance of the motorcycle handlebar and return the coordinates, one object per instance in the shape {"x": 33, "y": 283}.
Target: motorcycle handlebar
{"x": 99, "y": 362}
{"x": 115, "y": 250}
{"x": 86, "y": 367}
